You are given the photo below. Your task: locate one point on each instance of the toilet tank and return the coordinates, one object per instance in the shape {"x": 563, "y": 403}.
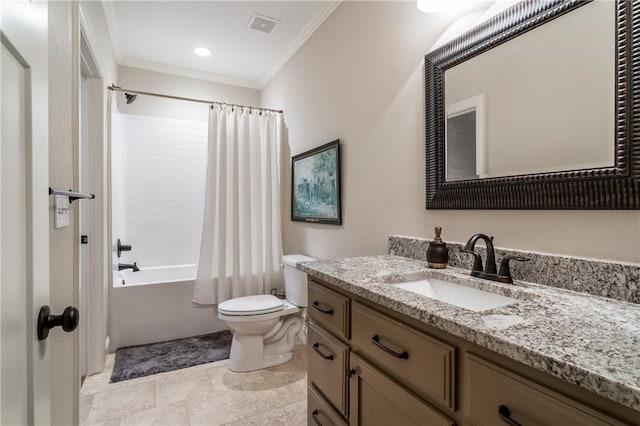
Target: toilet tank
{"x": 295, "y": 281}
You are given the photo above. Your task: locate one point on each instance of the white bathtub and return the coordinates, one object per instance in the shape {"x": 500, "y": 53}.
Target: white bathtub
{"x": 156, "y": 275}
{"x": 154, "y": 305}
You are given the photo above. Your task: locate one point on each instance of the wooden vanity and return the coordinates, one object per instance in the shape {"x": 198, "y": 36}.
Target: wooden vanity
{"x": 370, "y": 365}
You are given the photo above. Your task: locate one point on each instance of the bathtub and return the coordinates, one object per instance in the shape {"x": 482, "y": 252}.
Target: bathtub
{"x": 154, "y": 305}
{"x": 156, "y": 275}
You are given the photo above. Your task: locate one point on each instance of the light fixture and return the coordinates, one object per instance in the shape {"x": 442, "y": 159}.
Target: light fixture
{"x": 430, "y": 6}
{"x": 202, "y": 51}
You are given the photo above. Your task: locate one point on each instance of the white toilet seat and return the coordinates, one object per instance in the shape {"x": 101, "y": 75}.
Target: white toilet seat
{"x": 251, "y": 305}
{"x": 286, "y": 309}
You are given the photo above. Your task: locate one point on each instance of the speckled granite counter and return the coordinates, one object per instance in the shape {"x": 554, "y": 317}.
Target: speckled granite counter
{"x": 591, "y": 341}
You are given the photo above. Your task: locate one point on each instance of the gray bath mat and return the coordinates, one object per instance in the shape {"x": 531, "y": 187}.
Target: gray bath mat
{"x": 153, "y": 358}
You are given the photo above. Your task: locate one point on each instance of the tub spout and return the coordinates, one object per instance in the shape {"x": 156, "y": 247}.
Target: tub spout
{"x": 133, "y": 267}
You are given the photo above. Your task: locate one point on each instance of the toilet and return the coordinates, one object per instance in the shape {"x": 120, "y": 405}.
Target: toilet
{"x": 265, "y": 327}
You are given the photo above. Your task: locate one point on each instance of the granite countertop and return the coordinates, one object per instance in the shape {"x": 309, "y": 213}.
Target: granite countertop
{"x": 591, "y": 341}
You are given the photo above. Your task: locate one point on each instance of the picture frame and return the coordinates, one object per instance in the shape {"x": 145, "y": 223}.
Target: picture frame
{"x": 315, "y": 185}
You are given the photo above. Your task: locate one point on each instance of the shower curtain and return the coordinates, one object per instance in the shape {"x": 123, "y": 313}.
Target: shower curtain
{"x": 241, "y": 248}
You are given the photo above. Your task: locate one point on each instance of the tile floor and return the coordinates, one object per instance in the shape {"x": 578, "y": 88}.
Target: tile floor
{"x": 208, "y": 394}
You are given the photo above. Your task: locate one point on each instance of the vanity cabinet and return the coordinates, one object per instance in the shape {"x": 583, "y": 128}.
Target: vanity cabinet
{"x": 328, "y": 362}
{"x": 360, "y": 371}
{"x": 369, "y": 365}
{"x": 418, "y": 361}
{"x": 494, "y": 394}
{"x": 375, "y": 399}
{"x": 319, "y": 412}
{"x": 328, "y": 309}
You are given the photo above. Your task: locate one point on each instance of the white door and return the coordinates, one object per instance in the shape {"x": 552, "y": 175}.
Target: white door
{"x": 24, "y": 212}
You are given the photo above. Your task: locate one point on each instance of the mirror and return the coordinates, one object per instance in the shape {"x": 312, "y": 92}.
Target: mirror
{"x": 530, "y": 110}
{"x": 568, "y": 85}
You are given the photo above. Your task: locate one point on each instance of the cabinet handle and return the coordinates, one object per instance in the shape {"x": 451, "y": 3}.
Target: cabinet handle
{"x": 314, "y": 416}
{"x": 376, "y": 341}
{"x": 505, "y": 415}
{"x": 327, "y": 311}
{"x": 316, "y": 349}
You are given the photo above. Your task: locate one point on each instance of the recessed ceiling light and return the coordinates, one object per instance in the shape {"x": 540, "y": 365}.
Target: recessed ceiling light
{"x": 202, "y": 51}
{"x": 431, "y": 6}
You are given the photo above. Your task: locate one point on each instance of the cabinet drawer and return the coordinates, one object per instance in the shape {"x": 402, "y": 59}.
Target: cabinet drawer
{"x": 329, "y": 309}
{"x": 489, "y": 387}
{"x": 319, "y": 412}
{"x": 328, "y": 360}
{"x": 378, "y": 400}
{"x": 420, "y": 362}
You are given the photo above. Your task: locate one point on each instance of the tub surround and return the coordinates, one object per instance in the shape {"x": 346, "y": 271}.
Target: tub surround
{"x": 141, "y": 314}
{"x": 583, "y": 339}
{"x": 616, "y": 280}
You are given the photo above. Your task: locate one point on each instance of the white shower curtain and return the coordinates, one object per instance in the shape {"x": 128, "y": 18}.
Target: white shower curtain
{"x": 241, "y": 248}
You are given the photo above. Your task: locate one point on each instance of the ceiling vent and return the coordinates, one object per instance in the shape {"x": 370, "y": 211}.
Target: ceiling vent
{"x": 263, "y": 23}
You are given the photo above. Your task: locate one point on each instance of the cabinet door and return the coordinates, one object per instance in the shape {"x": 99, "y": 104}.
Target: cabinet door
{"x": 328, "y": 363}
{"x": 418, "y": 361}
{"x": 319, "y": 413}
{"x": 496, "y": 396}
{"x": 329, "y": 309}
{"x": 376, "y": 399}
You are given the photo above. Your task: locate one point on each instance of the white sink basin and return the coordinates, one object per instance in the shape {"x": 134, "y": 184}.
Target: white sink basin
{"x": 457, "y": 295}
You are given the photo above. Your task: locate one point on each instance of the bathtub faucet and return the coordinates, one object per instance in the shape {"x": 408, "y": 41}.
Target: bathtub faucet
{"x": 123, "y": 266}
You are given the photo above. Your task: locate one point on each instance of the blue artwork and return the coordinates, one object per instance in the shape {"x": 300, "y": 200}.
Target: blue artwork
{"x": 316, "y": 185}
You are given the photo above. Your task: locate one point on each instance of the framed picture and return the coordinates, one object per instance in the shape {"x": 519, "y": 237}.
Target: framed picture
{"x": 315, "y": 185}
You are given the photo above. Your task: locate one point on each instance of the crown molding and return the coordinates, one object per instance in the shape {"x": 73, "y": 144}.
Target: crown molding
{"x": 186, "y": 72}
{"x": 324, "y": 12}
{"x": 112, "y": 24}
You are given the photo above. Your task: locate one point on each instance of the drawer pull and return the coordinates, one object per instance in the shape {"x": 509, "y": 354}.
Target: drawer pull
{"x": 316, "y": 349}
{"x": 314, "y": 416}
{"x": 327, "y": 311}
{"x": 376, "y": 341}
{"x": 505, "y": 415}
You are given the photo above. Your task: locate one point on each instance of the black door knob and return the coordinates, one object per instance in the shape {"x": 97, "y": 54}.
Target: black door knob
{"x": 68, "y": 320}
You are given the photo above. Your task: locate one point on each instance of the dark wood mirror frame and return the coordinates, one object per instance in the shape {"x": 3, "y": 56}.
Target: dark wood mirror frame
{"x": 608, "y": 188}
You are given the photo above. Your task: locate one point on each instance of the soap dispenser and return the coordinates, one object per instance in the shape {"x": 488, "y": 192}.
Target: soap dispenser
{"x": 437, "y": 253}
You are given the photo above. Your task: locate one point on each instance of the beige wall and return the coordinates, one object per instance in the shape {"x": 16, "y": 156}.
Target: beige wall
{"x": 360, "y": 78}
{"x": 168, "y": 84}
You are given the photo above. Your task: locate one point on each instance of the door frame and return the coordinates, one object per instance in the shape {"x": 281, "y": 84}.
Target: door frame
{"x": 92, "y": 67}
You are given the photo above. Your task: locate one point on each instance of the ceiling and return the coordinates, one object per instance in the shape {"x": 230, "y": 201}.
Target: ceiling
{"x": 161, "y": 35}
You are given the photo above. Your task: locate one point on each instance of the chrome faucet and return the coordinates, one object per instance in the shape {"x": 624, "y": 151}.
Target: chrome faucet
{"x": 133, "y": 267}
{"x": 489, "y": 272}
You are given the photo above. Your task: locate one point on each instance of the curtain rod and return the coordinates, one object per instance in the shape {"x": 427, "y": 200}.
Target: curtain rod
{"x": 113, "y": 87}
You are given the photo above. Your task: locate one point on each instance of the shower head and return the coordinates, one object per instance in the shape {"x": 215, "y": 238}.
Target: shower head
{"x": 130, "y": 97}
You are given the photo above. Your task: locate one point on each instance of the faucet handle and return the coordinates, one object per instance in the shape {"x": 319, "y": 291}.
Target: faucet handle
{"x": 122, "y": 247}
{"x": 477, "y": 260}
{"x": 504, "y": 273}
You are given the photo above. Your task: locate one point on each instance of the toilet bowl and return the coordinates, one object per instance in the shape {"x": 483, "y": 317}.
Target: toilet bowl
{"x": 265, "y": 327}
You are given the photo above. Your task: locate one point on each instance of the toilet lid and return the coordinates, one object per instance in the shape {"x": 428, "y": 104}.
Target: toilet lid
{"x": 251, "y": 305}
